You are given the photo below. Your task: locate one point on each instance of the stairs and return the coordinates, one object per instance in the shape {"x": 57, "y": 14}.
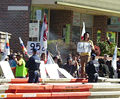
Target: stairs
{"x": 60, "y": 89}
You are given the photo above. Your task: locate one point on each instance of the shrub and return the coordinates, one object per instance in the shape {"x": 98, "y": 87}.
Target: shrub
{"x": 106, "y": 48}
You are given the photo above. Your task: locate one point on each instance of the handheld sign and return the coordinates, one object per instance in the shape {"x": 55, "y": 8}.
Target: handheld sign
{"x": 5, "y": 70}
{"x": 83, "y": 47}
{"x": 31, "y": 45}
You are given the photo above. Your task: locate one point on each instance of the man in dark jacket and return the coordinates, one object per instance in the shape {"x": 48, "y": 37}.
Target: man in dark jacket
{"x": 33, "y": 67}
{"x": 118, "y": 67}
{"x": 91, "y": 70}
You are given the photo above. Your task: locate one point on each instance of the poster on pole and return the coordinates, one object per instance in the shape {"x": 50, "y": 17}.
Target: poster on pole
{"x": 83, "y": 47}
{"x": 31, "y": 45}
{"x": 33, "y": 30}
{"x": 38, "y": 14}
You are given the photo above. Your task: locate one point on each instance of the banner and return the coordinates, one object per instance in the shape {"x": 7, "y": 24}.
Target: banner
{"x": 67, "y": 35}
{"x": 83, "y": 47}
{"x": 114, "y": 60}
{"x": 6, "y": 48}
{"x": 83, "y": 31}
{"x": 22, "y": 45}
{"x": 44, "y": 33}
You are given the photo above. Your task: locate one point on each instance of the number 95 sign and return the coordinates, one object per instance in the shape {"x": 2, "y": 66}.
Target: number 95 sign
{"x": 31, "y": 45}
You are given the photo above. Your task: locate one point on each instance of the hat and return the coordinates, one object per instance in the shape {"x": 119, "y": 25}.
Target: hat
{"x": 34, "y": 50}
{"x": 93, "y": 55}
{"x": 106, "y": 55}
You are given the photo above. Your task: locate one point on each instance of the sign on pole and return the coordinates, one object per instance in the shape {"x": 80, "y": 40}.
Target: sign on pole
{"x": 38, "y": 14}
{"x": 83, "y": 47}
{"x": 33, "y": 30}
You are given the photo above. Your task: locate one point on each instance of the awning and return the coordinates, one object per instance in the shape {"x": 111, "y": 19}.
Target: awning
{"x": 88, "y": 6}
{"x": 95, "y": 7}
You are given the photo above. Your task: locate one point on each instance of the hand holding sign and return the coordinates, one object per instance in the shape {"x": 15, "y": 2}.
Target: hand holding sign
{"x": 83, "y": 47}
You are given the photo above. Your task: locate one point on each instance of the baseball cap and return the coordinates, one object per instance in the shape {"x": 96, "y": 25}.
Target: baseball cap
{"x": 94, "y": 55}
{"x": 34, "y": 50}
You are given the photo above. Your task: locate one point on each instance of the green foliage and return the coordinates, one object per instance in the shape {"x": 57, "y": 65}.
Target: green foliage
{"x": 106, "y": 48}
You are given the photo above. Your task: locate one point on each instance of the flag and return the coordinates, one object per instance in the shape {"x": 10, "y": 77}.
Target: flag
{"x": 23, "y": 47}
{"x": 44, "y": 33}
{"x": 83, "y": 31}
{"x": 50, "y": 59}
{"x": 114, "y": 60}
{"x": 6, "y": 48}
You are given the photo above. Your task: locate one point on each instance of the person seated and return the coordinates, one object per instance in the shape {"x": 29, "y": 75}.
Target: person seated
{"x": 69, "y": 67}
{"x": 103, "y": 68}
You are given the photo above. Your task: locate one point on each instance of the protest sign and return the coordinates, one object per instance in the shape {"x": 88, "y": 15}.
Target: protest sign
{"x": 31, "y": 45}
{"x": 5, "y": 70}
{"x": 83, "y": 47}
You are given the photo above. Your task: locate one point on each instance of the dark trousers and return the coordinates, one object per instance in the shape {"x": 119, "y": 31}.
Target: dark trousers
{"x": 34, "y": 77}
{"x": 118, "y": 75}
{"x": 93, "y": 77}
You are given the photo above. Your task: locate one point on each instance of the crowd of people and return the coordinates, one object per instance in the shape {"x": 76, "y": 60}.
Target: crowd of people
{"x": 79, "y": 65}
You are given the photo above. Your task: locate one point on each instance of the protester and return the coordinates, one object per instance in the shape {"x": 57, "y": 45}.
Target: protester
{"x": 103, "y": 68}
{"x": 12, "y": 62}
{"x": 106, "y": 59}
{"x": 43, "y": 58}
{"x": 118, "y": 67}
{"x": 91, "y": 70}
{"x": 111, "y": 69}
{"x": 85, "y": 57}
{"x": 76, "y": 66}
{"x": 69, "y": 66}
{"x": 33, "y": 67}
{"x": 108, "y": 40}
{"x": 21, "y": 70}
{"x": 55, "y": 59}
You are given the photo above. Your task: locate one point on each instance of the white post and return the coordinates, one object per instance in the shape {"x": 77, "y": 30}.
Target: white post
{"x": 38, "y": 31}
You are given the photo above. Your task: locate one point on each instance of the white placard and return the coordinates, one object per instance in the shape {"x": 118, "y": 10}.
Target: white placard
{"x": 33, "y": 30}
{"x": 31, "y": 45}
{"x": 38, "y": 14}
{"x": 83, "y": 47}
{"x": 6, "y": 70}
{"x": 42, "y": 70}
{"x": 52, "y": 70}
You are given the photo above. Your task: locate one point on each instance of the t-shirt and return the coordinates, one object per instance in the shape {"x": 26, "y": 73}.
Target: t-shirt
{"x": 21, "y": 71}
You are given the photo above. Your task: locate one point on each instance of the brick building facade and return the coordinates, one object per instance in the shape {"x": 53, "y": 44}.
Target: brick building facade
{"x": 14, "y": 18}
{"x": 59, "y": 18}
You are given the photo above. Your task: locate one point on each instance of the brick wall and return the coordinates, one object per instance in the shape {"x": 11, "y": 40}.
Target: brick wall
{"x": 15, "y": 22}
{"x": 100, "y": 23}
{"x": 58, "y": 19}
